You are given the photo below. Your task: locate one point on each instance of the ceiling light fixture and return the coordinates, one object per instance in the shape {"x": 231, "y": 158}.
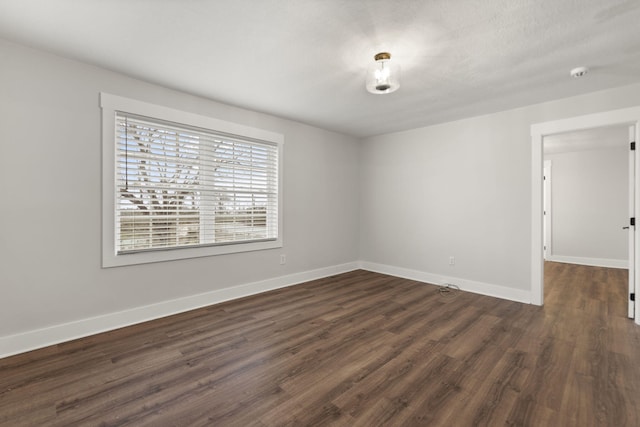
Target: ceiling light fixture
{"x": 384, "y": 75}
{"x": 579, "y": 72}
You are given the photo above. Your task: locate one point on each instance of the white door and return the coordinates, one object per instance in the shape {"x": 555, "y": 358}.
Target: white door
{"x": 632, "y": 228}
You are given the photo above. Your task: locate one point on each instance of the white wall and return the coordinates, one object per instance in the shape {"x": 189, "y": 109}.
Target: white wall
{"x": 50, "y": 221}
{"x": 462, "y": 189}
{"x": 589, "y": 206}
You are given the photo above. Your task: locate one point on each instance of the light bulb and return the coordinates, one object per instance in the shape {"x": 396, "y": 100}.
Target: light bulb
{"x": 383, "y": 76}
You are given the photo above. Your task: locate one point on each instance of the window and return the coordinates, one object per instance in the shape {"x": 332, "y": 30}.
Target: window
{"x": 179, "y": 185}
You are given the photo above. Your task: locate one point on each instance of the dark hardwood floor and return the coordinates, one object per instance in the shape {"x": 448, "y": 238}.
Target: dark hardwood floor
{"x": 357, "y": 349}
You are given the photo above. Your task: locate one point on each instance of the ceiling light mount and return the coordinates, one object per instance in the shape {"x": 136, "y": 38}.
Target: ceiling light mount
{"x": 579, "y": 72}
{"x": 382, "y": 55}
{"x": 384, "y": 75}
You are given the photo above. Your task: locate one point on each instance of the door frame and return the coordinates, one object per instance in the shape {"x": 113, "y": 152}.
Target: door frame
{"x": 546, "y": 207}
{"x": 631, "y": 238}
{"x": 625, "y": 116}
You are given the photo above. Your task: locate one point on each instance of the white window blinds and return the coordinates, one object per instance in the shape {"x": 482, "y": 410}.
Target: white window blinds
{"x": 180, "y": 186}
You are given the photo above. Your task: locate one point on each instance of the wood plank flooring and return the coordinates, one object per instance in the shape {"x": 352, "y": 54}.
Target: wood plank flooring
{"x": 356, "y": 349}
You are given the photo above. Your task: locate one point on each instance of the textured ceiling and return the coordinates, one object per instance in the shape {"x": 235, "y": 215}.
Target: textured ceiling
{"x": 306, "y": 59}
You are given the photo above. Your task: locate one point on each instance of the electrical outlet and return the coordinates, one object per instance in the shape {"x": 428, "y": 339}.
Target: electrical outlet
{"x": 283, "y": 259}
{"x": 452, "y": 260}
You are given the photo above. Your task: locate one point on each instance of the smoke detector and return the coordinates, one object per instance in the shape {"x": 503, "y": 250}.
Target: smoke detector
{"x": 579, "y": 72}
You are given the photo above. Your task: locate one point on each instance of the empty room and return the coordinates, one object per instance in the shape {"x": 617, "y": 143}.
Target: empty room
{"x": 319, "y": 212}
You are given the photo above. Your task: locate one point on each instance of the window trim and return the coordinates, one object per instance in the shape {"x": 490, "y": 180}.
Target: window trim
{"x": 112, "y": 103}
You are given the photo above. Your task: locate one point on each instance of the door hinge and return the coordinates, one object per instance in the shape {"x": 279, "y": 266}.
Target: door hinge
{"x": 633, "y": 145}
{"x": 632, "y": 297}
{"x": 632, "y": 221}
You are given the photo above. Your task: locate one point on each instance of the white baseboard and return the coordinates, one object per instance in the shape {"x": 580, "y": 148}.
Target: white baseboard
{"x": 31, "y": 340}
{"x": 39, "y": 338}
{"x": 594, "y": 262}
{"x": 464, "y": 284}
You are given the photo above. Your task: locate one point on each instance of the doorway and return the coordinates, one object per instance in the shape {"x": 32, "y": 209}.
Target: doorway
{"x": 584, "y": 225}
{"x": 587, "y": 224}
{"x": 629, "y": 117}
